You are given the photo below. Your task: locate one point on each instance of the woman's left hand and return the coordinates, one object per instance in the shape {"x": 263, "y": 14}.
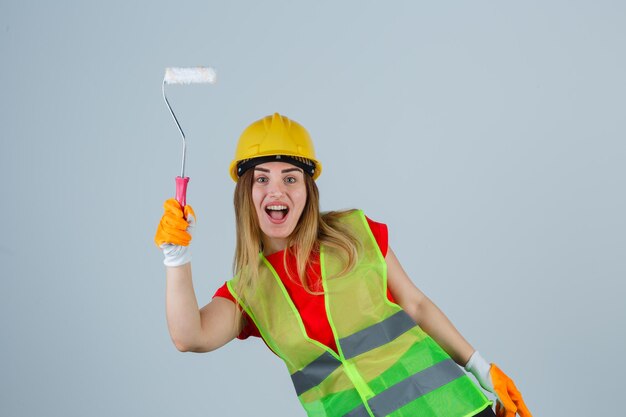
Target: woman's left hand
{"x": 509, "y": 399}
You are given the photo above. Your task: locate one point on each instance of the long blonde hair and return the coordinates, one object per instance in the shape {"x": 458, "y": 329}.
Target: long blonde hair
{"x": 312, "y": 230}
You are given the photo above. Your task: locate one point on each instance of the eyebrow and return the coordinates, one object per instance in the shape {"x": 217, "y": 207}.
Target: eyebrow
{"x": 291, "y": 169}
{"x": 282, "y": 172}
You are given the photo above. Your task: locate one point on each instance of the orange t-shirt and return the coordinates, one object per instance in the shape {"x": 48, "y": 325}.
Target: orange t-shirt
{"x": 311, "y": 307}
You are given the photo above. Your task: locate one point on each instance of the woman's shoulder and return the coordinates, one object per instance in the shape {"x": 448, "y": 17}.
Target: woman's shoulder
{"x": 338, "y": 214}
{"x": 381, "y": 234}
{"x": 378, "y": 229}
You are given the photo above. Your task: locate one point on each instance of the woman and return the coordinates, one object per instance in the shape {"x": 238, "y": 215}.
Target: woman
{"x": 326, "y": 294}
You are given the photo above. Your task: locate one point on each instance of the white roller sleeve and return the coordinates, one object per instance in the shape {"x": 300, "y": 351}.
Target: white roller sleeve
{"x": 189, "y": 75}
{"x": 479, "y": 367}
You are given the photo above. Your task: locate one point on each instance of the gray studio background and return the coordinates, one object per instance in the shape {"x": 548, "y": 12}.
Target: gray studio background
{"x": 488, "y": 135}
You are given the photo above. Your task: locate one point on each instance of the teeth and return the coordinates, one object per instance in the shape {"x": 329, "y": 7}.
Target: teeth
{"x": 276, "y": 207}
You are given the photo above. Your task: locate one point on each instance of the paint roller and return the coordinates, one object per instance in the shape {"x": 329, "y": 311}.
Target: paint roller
{"x": 181, "y": 76}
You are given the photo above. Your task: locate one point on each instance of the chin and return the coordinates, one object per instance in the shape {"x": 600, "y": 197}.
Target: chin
{"x": 272, "y": 233}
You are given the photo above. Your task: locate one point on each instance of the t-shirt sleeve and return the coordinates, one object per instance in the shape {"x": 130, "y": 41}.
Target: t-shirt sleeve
{"x": 249, "y": 328}
{"x": 379, "y": 230}
{"x": 224, "y": 292}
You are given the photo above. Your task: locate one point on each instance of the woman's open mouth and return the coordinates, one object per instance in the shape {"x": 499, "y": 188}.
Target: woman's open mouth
{"x": 277, "y": 213}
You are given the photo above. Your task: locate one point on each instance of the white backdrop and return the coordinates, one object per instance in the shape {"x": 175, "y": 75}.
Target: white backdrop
{"x": 488, "y": 135}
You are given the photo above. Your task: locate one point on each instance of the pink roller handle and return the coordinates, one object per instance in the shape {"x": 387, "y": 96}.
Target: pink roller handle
{"x": 181, "y": 190}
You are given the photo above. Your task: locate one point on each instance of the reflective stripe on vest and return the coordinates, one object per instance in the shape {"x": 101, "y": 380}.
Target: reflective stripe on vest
{"x": 315, "y": 372}
{"x": 410, "y": 389}
{"x": 384, "y": 364}
{"x": 376, "y": 335}
{"x": 367, "y": 339}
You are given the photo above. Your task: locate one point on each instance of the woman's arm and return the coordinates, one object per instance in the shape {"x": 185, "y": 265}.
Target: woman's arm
{"x": 425, "y": 313}
{"x": 193, "y": 329}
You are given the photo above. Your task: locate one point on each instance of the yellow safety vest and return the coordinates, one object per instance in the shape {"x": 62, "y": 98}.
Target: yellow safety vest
{"x": 386, "y": 365}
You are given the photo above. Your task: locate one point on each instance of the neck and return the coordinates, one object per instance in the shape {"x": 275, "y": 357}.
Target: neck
{"x": 273, "y": 245}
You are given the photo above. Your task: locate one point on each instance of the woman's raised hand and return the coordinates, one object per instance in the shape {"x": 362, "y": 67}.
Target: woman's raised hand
{"x": 174, "y": 233}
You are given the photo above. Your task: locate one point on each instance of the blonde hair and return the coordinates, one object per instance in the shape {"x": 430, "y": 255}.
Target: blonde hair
{"x": 312, "y": 230}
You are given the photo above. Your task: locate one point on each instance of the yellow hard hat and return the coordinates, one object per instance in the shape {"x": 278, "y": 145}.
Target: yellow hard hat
{"x": 275, "y": 138}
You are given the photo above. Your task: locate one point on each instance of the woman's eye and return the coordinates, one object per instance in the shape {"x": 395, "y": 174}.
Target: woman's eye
{"x": 290, "y": 180}
{"x": 261, "y": 179}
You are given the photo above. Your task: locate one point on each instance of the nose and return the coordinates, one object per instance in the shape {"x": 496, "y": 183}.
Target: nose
{"x": 275, "y": 193}
{"x": 275, "y": 190}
